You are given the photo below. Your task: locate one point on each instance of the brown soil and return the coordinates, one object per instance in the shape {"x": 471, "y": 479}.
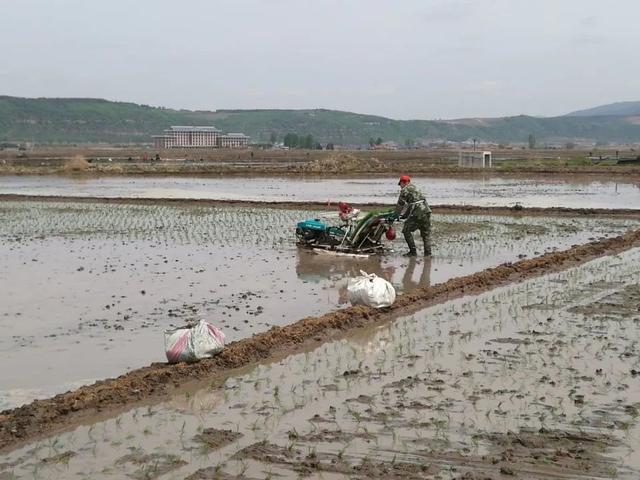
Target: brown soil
{"x": 438, "y": 209}
{"x": 155, "y": 382}
{"x": 526, "y": 454}
{"x": 215, "y": 473}
{"x": 624, "y": 303}
{"x": 76, "y": 164}
{"x": 212, "y": 438}
{"x": 131, "y": 161}
{"x": 550, "y": 454}
{"x": 539, "y": 454}
{"x": 307, "y": 464}
{"x": 343, "y": 163}
{"x": 326, "y": 435}
{"x": 151, "y": 466}
{"x": 59, "y": 458}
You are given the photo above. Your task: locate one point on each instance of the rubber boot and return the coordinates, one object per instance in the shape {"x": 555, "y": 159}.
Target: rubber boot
{"x": 411, "y": 243}
{"x": 427, "y": 247}
{"x": 425, "y": 233}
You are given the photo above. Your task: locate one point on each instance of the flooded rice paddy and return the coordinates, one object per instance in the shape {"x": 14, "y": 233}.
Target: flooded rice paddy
{"x": 548, "y": 191}
{"x": 535, "y": 380}
{"x": 87, "y": 289}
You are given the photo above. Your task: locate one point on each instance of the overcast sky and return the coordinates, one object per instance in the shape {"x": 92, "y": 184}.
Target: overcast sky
{"x": 402, "y": 59}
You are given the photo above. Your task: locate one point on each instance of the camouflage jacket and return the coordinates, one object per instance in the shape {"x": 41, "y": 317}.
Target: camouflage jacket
{"x": 411, "y": 203}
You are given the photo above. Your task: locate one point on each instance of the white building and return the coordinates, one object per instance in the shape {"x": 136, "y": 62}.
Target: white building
{"x": 474, "y": 159}
{"x": 234, "y": 140}
{"x": 199, "y": 137}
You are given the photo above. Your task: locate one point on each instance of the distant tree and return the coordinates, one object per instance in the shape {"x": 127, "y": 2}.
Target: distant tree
{"x": 569, "y": 145}
{"x": 532, "y": 141}
{"x": 273, "y": 138}
{"x": 372, "y": 141}
{"x": 379, "y": 141}
{"x": 329, "y": 146}
{"x": 291, "y": 140}
{"x": 317, "y": 146}
{"x": 409, "y": 143}
{"x": 307, "y": 142}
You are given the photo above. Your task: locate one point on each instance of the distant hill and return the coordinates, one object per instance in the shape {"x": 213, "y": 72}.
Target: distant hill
{"x": 611, "y": 109}
{"x": 86, "y": 120}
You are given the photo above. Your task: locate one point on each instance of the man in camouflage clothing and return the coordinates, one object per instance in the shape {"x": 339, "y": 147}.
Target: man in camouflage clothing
{"x": 413, "y": 207}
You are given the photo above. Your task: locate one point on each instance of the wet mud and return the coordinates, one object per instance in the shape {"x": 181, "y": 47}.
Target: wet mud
{"x": 150, "y": 466}
{"x": 435, "y": 394}
{"x": 111, "y": 277}
{"x": 306, "y": 464}
{"x": 525, "y": 454}
{"x": 44, "y": 417}
{"x": 213, "y": 438}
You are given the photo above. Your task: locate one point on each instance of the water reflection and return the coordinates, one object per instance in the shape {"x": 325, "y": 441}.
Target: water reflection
{"x": 316, "y": 268}
{"x": 334, "y": 272}
{"x": 423, "y": 266}
{"x": 539, "y": 191}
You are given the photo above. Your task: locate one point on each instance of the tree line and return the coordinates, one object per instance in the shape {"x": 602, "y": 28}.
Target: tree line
{"x": 293, "y": 140}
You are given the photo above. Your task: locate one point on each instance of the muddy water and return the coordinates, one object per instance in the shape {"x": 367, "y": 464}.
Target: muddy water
{"x": 535, "y": 380}
{"x": 87, "y": 289}
{"x": 556, "y": 191}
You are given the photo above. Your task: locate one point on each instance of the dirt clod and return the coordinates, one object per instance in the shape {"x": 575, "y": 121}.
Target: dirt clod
{"x": 213, "y": 439}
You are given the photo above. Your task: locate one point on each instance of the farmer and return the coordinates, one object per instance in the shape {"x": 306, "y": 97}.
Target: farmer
{"x": 413, "y": 208}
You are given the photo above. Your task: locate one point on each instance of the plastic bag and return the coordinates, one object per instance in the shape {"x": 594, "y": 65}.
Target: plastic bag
{"x": 190, "y": 344}
{"x": 370, "y": 290}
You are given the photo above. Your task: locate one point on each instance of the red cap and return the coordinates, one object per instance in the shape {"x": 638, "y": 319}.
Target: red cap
{"x": 404, "y": 179}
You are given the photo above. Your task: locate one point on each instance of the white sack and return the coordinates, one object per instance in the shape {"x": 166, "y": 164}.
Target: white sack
{"x": 189, "y": 344}
{"x": 370, "y": 290}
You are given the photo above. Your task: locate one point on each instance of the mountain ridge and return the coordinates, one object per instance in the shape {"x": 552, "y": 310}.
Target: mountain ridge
{"x": 610, "y": 109}
{"x": 91, "y": 120}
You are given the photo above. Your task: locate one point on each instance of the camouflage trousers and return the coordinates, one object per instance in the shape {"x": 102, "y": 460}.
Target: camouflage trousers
{"x": 422, "y": 223}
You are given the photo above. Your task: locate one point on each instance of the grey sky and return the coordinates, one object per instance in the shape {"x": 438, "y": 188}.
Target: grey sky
{"x": 402, "y": 59}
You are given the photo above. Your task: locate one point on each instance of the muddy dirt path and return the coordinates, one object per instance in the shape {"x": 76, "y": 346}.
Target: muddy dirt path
{"x": 533, "y": 380}
{"x": 44, "y": 417}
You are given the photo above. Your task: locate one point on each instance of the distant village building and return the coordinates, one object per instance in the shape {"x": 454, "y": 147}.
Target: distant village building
{"x": 474, "y": 159}
{"x": 233, "y": 140}
{"x": 199, "y": 137}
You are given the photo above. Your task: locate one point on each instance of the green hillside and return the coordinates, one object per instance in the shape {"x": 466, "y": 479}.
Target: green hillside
{"x": 83, "y": 120}
{"x": 52, "y": 120}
